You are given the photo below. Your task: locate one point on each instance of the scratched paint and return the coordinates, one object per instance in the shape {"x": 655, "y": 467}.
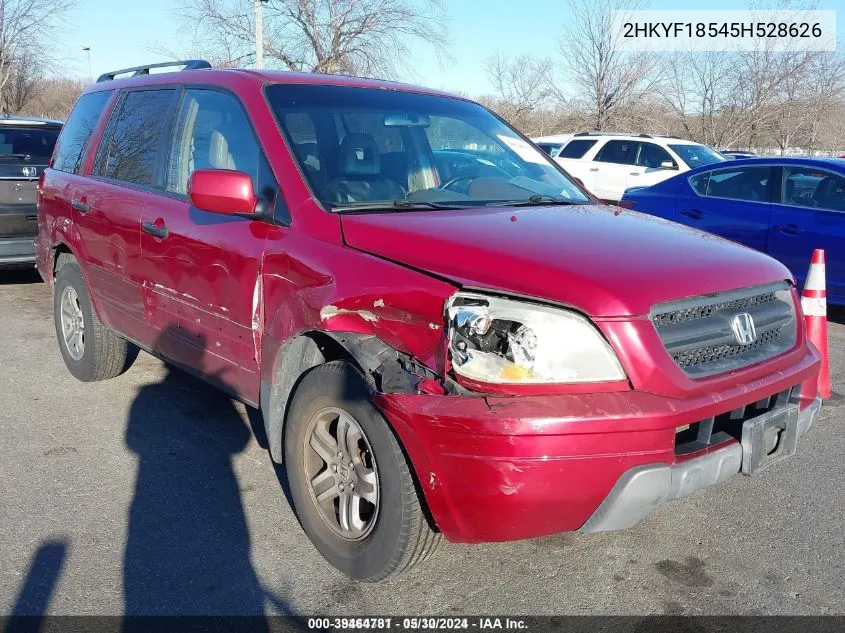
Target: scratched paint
{"x": 330, "y": 311}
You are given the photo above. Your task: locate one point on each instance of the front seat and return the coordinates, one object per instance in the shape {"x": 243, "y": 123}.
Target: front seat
{"x": 219, "y": 156}
{"x": 359, "y": 173}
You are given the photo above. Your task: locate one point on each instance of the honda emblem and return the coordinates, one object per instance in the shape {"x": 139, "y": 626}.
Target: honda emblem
{"x": 743, "y": 328}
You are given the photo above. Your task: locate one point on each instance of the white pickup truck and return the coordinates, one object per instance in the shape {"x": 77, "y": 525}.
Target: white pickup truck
{"x": 607, "y": 163}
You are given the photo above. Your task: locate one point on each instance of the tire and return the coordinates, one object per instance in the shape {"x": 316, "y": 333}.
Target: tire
{"x": 103, "y": 354}
{"x": 396, "y": 535}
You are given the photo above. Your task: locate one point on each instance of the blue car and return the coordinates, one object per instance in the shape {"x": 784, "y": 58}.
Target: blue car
{"x": 785, "y": 207}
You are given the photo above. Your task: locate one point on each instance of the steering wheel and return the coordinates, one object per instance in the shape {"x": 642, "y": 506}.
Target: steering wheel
{"x": 461, "y": 177}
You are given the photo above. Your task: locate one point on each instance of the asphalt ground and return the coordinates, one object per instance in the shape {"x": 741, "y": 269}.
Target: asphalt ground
{"x": 151, "y": 494}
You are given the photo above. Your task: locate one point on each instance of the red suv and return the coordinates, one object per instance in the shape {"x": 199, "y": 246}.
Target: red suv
{"x": 445, "y": 334}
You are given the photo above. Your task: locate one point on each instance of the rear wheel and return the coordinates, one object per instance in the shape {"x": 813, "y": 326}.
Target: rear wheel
{"x": 351, "y": 486}
{"x": 90, "y": 351}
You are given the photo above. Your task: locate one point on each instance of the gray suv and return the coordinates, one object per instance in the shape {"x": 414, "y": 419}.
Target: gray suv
{"x": 26, "y": 145}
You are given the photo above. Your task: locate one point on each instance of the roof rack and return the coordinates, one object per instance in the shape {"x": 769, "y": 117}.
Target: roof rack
{"x": 187, "y": 64}
{"x": 603, "y": 134}
{"x": 624, "y": 134}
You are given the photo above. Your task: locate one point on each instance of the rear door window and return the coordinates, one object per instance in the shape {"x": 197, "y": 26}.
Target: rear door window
{"x": 814, "y": 188}
{"x": 78, "y": 129}
{"x": 620, "y": 152}
{"x": 576, "y": 148}
{"x": 132, "y": 148}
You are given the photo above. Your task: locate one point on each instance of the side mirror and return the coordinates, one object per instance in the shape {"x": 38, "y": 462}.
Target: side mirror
{"x": 668, "y": 164}
{"x": 221, "y": 191}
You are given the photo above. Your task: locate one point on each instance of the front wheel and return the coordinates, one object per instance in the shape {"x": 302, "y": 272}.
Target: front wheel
{"x": 352, "y": 489}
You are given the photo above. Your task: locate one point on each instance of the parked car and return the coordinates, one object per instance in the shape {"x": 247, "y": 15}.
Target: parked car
{"x": 26, "y": 145}
{"x": 785, "y": 207}
{"x": 608, "y": 163}
{"x": 736, "y": 153}
{"x": 552, "y": 144}
{"x": 484, "y": 356}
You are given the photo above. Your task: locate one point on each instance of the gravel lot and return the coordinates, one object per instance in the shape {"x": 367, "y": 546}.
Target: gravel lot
{"x": 133, "y": 496}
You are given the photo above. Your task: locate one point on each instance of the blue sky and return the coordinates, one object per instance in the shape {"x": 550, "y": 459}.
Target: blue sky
{"x": 123, "y": 37}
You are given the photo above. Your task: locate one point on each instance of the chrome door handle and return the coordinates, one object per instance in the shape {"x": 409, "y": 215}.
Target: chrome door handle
{"x": 158, "y": 230}
{"x": 594, "y": 168}
{"x": 634, "y": 173}
{"x": 80, "y": 206}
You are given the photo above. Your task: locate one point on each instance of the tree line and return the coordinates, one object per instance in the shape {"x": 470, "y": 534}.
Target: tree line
{"x": 764, "y": 98}
{"x": 757, "y": 99}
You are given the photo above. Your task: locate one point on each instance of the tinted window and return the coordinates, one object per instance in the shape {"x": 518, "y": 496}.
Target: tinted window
{"x": 697, "y": 155}
{"x": 33, "y": 144}
{"x": 576, "y": 148}
{"x": 132, "y": 145}
{"x": 78, "y": 129}
{"x": 212, "y": 132}
{"x": 747, "y": 183}
{"x": 807, "y": 187}
{"x": 622, "y": 152}
{"x": 651, "y": 156}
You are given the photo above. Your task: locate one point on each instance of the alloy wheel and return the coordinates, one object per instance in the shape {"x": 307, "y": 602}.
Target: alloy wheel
{"x": 341, "y": 472}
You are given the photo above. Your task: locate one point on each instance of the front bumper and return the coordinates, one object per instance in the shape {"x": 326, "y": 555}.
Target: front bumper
{"x": 507, "y": 468}
{"x": 17, "y": 251}
{"x": 643, "y": 488}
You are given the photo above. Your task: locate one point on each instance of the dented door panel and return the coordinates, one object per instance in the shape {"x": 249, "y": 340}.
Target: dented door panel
{"x": 200, "y": 290}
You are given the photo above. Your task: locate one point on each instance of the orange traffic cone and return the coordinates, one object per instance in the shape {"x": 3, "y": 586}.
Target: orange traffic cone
{"x": 814, "y": 306}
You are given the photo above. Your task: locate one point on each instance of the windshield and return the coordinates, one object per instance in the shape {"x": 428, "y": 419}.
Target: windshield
{"x": 28, "y": 144}
{"x": 363, "y": 149}
{"x": 697, "y": 155}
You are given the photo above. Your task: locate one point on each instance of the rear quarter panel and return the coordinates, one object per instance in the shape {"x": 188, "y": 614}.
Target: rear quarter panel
{"x": 660, "y": 199}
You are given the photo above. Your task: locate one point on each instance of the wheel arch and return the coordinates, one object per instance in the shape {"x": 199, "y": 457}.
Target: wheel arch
{"x": 63, "y": 251}
{"x": 385, "y": 368}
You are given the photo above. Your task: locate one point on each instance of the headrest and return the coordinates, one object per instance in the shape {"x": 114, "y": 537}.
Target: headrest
{"x": 359, "y": 155}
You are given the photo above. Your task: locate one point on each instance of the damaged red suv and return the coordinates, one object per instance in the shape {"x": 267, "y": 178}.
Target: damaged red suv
{"x": 445, "y": 334}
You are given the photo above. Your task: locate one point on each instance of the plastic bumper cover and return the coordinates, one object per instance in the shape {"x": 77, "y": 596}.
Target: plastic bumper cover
{"x": 17, "y": 251}
{"x": 643, "y": 488}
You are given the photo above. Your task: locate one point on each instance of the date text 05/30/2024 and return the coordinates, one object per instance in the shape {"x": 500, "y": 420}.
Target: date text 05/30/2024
{"x": 417, "y": 623}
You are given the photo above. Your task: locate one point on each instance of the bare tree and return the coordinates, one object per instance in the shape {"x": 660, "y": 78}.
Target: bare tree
{"x": 23, "y": 83}
{"x": 521, "y": 87}
{"x": 25, "y": 30}
{"x": 54, "y": 98}
{"x": 825, "y": 91}
{"x": 364, "y": 37}
{"x": 594, "y": 64}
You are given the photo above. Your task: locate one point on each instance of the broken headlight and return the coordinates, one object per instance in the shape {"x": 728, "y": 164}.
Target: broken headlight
{"x": 503, "y": 341}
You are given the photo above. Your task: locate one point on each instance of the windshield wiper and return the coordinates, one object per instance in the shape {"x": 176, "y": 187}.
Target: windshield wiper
{"x": 537, "y": 199}
{"x": 26, "y": 157}
{"x": 395, "y": 205}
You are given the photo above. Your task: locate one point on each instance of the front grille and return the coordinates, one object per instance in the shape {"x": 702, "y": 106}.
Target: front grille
{"x": 698, "y": 312}
{"x": 698, "y": 332}
{"x": 720, "y": 428}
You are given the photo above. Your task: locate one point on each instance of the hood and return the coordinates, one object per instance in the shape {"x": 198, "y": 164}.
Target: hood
{"x": 603, "y": 260}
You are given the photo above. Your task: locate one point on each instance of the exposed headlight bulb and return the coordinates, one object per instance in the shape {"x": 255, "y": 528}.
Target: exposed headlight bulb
{"x": 523, "y": 345}
{"x": 508, "y": 341}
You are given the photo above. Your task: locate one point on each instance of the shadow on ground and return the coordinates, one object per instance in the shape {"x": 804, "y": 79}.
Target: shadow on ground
{"x": 188, "y": 544}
